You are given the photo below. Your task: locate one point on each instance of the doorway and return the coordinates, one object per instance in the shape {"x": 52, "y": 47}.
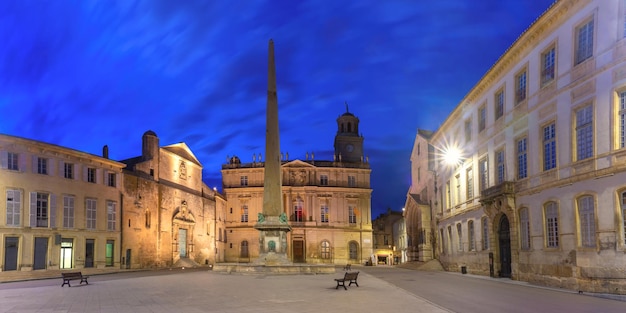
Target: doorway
{"x": 41, "y": 252}
{"x": 10, "y": 253}
{"x": 182, "y": 242}
{"x": 67, "y": 249}
{"x": 89, "y": 248}
{"x": 298, "y": 251}
{"x": 504, "y": 238}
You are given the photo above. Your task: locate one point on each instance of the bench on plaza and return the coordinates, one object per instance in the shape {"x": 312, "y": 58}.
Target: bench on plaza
{"x": 349, "y": 277}
{"x": 67, "y": 277}
{"x": 348, "y": 267}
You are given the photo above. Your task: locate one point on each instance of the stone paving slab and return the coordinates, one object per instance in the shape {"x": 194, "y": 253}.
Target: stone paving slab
{"x": 207, "y": 291}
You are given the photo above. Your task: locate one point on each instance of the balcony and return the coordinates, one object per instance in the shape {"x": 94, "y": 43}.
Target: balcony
{"x": 488, "y": 195}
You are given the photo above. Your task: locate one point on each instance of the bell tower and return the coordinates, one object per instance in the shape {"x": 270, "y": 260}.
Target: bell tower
{"x": 348, "y": 142}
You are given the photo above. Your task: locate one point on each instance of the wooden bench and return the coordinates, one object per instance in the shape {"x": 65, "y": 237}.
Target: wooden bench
{"x": 73, "y": 276}
{"x": 348, "y": 267}
{"x": 349, "y": 277}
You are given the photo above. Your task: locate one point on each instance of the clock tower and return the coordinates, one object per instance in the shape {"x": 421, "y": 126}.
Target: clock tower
{"x": 348, "y": 142}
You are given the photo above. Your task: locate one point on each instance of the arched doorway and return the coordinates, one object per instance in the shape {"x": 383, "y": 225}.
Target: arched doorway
{"x": 504, "y": 239}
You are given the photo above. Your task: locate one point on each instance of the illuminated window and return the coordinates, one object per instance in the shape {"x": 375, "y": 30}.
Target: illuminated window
{"x": 68, "y": 211}
{"x": 522, "y": 159}
{"x": 14, "y": 198}
{"x": 298, "y": 210}
{"x": 520, "y": 87}
{"x": 584, "y": 133}
{"x": 552, "y": 225}
{"x": 586, "y": 216}
{"x": 324, "y": 213}
{"x": 549, "y": 147}
{"x": 548, "y": 61}
{"x": 584, "y": 42}
{"x": 524, "y": 228}
{"x": 244, "y": 213}
{"x": 622, "y": 119}
{"x": 325, "y": 250}
{"x": 90, "y": 206}
{"x": 499, "y": 104}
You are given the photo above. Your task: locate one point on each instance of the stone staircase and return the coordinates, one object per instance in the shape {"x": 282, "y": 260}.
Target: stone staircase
{"x": 186, "y": 263}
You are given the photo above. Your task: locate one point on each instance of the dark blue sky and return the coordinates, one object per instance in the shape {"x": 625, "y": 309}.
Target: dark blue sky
{"x": 83, "y": 74}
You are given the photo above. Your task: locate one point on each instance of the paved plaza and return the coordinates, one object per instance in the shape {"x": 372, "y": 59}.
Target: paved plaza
{"x": 207, "y": 291}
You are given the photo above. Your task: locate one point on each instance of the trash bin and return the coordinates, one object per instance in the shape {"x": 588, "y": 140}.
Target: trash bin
{"x": 463, "y": 269}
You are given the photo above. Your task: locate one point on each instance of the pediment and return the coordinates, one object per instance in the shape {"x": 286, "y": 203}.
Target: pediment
{"x": 297, "y": 164}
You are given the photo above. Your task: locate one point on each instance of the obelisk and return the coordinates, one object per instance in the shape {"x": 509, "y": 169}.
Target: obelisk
{"x": 272, "y": 222}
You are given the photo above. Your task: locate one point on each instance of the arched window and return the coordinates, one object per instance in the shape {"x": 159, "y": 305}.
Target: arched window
{"x": 552, "y": 224}
{"x": 470, "y": 236}
{"x": 587, "y": 221}
{"x": 325, "y": 249}
{"x": 623, "y": 210}
{"x": 524, "y": 228}
{"x": 244, "y": 249}
{"x": 485, "y": 230}
{"x": 353, "y": 247}
{"x": 459, "y": 232}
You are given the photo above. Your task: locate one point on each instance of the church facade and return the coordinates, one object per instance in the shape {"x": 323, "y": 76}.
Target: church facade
{"x": 538, "y": 192}
{"x": 327, "y": 203}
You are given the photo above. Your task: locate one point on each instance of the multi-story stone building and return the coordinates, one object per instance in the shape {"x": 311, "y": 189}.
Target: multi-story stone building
{"x": 328, "y": 203}
{"x": 388, "y": 230}
{"x": 170, "y": 216}
{"x": 538, "y": 193}
{"x": 61, "y": 207}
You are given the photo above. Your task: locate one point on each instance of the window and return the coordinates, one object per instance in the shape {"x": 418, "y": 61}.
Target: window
{"x": 586, "y": 216}
{"x": 549, "y": 147}
{"x": 520, "y": 87}
{"x": 442, "y": 246}
{"x": 623, "y": 205}
{"x": 244, "y": 180}
{"x": 468, "y": 131}
{"x": 325, "y": 250}
{"x": 458, "y": 188}
{"x": 68, "y": 212}
{"x": 111, "y": 215}
{"x": 244, "y": 213}
{"x": 12, "y": 161}
{"x": 14, "y": 197}
{"x": 68, "y": 170}
{"x": 42, "y": 166}
{"x": 90, "y": 206}
{"x": 470, "y": 236}
{"x": 42, "y": 209}
{"x": 584, "y": 42}
{"x": 460, "y": 236}
{"x": 499, "y": 104}
{"x": 448, "y": 195}
{"x": 483, "y": 167}
{"x": 500, "y": 166}
{"x": 552, "y": 225}
{"x": 111, "y": 179}
{"x": 450, "y": 242}
{"x": 324, "y": 213}
{"x": 353, "y": 247}
{"x": 482, "y": 118}
{"x": 522, "y": 159}
{"x": 622, "y": 119}
{"x": 548, "y": 61}
{"x": 469, "y": 183}
{"x": 485, "y": 230}
{"x": 584, "y": 133}
{"x": 91, "y": 175}
{"x": 298, "y": 211}
{"x": 351, "y": 215}
{"x": 524, "y": 228}
{"x": 351, "y": 181}
{"x": 324, "y": 180}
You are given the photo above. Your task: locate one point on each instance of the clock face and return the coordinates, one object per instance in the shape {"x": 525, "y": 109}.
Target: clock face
{"x": 349, "y": 147}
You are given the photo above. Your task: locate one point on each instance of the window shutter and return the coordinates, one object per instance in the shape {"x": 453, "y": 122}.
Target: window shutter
{"x": 85, "y": 170}
{"x": 106, "y": 177}
{"x": 35, "y": 164}
{"x": 33, "y": 209}
{"x": 4, "y": 159}
{"x": 76, "y": 171}
{"x": 52, "y": 167}
{"x": 53, "y": 210}
{"x": 99, "y": 176}
{"x": 17, "y": 198}
{"x": 62, "y": 168}
{"x": 21, "y": 162}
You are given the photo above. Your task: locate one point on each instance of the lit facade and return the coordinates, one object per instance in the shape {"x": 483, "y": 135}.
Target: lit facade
{"x": 388, "y": 229}
{"x": 539, "y": 193}
{"x": 61, "y": 207}
{"x": 328, "y": 203}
